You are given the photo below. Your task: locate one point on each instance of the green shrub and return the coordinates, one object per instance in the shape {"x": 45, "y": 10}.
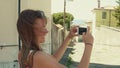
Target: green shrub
{"x": 58, "y": 18}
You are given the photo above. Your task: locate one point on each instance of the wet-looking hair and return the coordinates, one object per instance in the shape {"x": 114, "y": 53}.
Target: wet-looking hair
{"x": 25, "y": 24}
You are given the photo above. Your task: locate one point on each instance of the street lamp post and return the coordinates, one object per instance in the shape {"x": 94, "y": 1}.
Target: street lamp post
{"x": 64, "y": 16}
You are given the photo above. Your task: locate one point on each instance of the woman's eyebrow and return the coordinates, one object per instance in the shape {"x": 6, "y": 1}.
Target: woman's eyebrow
{"x": 45, "y": 20}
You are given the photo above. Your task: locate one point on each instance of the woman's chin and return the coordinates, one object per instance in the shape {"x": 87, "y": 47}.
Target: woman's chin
{"x": 42, "y": 41}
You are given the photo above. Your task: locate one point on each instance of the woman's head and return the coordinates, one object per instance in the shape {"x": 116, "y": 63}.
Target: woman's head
{"x": 31, "y": 24}
{"x": 31, "y": 27}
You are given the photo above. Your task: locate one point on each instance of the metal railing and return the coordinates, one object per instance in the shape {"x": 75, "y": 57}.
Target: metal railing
{"x": 2, "y": 46}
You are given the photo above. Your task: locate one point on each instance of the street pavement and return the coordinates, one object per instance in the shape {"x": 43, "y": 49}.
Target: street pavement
{"x": 106, "y": 50}
{"x": 103, "y": 56}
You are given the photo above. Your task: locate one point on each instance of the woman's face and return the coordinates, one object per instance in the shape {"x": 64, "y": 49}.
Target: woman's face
{"x": 39, "y": 29}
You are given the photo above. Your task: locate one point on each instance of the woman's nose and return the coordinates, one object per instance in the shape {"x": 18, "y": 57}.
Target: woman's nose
{"x": 46, "y": 31}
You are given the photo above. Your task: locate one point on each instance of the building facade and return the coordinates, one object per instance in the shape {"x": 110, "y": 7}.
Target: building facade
{"x": 8, "y": 32}
{"x": 104, "y": 16}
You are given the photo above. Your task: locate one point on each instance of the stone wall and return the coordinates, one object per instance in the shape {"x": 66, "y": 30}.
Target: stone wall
{"x": 56, "y": 37}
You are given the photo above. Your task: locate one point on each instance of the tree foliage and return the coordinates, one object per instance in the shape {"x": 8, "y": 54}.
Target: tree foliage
{"x": 117, "y": 13}
{"x": 58, "y": 18}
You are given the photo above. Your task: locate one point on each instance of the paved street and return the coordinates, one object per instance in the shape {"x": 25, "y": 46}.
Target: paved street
{"x": 106, "y": 50}
{"x": 103, "y": 56}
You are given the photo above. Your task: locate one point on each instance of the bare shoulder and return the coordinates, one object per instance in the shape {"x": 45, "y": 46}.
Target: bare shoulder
{"x": 44, "y": 60}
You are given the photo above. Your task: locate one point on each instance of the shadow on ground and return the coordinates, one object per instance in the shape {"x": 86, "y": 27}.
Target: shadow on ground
{"x": 96, "y": 65}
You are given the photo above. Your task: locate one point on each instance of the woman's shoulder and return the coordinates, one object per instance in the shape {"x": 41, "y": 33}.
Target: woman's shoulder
{"x": 45, "y": 60}
{"x": 39, "y": 54}
{"x": 42, "y": 56}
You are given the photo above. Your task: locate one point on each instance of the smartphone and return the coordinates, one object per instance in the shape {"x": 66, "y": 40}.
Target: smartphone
{"x": 81, "y": 30}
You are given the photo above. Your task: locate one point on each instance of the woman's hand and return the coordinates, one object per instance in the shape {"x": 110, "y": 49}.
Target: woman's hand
{"x": 87, "y": 37}
{"x": 73, "y": 31}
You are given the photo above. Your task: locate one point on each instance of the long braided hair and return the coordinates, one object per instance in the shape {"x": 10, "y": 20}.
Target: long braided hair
{"x": 25, "y": 24}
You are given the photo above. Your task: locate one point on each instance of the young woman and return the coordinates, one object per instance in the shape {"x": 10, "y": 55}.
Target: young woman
{"x": 32, "y": 30}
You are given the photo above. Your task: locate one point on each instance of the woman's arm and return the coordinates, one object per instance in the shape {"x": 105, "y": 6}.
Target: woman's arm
{"x": 88, "y": 41}
{"x": 61, "y": 50}
{"x": 84, "y": 63}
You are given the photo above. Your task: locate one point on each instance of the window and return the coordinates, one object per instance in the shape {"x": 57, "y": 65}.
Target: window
{"x": 104, "y": 14}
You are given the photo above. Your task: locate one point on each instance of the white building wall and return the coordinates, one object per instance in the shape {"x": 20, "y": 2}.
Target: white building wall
{"x": 8, "y": 17}
{"x": 8, "y": 30}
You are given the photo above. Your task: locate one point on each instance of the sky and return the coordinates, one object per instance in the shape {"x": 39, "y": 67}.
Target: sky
{"x": 81, "y": 9}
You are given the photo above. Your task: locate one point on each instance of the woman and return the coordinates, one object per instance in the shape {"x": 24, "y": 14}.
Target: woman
{"x": 32, "y": 30}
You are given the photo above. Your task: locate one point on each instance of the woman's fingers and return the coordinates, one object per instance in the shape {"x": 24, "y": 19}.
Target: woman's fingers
{"x": 83, "y": 34}
{"x": 73, "y": 31}
{"x": 88, "y": 29}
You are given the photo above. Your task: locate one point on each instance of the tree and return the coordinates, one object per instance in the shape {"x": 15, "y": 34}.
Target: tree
{"x": 58, "y": 19}
{"x": 117, "y": 13}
